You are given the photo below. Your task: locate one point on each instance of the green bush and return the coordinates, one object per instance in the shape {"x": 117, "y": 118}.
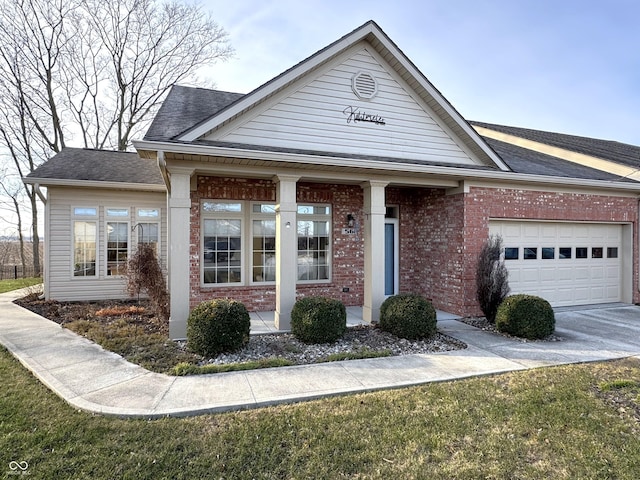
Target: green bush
{"x": 526, "y": 316}
{"x": 217, "y": 326}
{"x": 408, "y": 316}
{"x": 318, "y": 320}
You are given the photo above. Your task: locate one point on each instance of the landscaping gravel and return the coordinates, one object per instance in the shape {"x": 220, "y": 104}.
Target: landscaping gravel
{"x": 357, "y": 339}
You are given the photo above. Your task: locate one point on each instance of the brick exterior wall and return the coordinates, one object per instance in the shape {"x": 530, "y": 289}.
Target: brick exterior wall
{"x": 348, "y": 249}
{"x": 440, "y": 236}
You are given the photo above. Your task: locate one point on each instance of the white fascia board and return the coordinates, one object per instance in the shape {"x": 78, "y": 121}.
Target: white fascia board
{"x": 458, "y": 173}
{"x": 59, "y": 182}
{"x": 443, "y": 102}
{"x": 278, "y": 82}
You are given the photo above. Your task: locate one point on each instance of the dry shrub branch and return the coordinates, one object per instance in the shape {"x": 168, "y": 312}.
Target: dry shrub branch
{"x": 144, "y": 275}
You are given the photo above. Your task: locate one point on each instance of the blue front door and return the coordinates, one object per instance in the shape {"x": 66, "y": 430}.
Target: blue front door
{"x": 390, "y": 287}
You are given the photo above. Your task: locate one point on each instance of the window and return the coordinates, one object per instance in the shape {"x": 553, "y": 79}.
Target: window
{"x": 530, "y": 253}
{"x": 565, "y": 252}
{"x": 222, "y": 242}
{"x": 148, "y": 228}
{"x": 612, "y": 252}
{"x": 313, "y": 242}
{"x": 117, "y": 248}
{"x": 263, "y": 226}
{"x": 596, "y": 252}
{"x": 511, "y": 253}
{"x": 581, "y": 252}
{"x": 548, "y": 253}
{"x": 84, "y": 248}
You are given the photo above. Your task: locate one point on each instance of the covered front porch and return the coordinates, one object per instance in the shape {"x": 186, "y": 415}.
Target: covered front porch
{"x": 264, "y": 322}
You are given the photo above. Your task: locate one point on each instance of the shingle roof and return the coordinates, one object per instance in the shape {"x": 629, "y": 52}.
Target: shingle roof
{"x": 99, "y": 166}
{"x": 621, "y": 153}
{"x": 185, "y": 107}
{"x": 523, "y": 160}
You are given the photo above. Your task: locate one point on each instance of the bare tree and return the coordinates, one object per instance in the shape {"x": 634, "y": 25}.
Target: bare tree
{"x": 94, "y": 69}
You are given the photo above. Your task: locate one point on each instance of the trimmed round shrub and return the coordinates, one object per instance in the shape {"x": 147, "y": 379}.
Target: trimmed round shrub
{"x": 318, "y": 320}
{"x": 526, "y": 316}
{"x": 408, "y": 316}
{"x": 217, "y": 326}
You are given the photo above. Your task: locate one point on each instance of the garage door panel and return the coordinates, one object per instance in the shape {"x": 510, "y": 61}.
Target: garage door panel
{"x": 564, "y": 279}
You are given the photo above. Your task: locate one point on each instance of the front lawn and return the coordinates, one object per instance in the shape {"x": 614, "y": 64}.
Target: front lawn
{"x": 568, "y": 422}
{"x": 9, "y": 285}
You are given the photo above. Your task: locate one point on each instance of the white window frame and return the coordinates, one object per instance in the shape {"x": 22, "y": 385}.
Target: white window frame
{"x": 316, "y": 217}
{"x": 116, "y": 218}
{"x": 223, "y": 215}
{"x": 87, "y": 218}
{"x": 142, "y": 220}
{"x": 258, "y": 216}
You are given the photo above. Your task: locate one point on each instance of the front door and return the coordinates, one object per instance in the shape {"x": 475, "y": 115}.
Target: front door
{"x": 391, "y": 257}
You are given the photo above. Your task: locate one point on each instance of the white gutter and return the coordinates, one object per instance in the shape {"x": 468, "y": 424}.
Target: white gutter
{"x": 58, "y": 182}
{"x": 41, "y": 196}
{"x": 306, "y": 159}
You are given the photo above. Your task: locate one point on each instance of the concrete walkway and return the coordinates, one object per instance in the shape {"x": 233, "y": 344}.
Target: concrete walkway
{"x": 98, "y": 381}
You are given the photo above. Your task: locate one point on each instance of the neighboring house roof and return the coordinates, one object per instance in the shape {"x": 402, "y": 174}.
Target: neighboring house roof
{"x": 522, "y": 160}
{"x": 617, "y": 152}
{"x": 80, "y": 166}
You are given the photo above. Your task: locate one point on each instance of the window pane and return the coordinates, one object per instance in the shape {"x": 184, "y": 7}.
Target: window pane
{"x": 148, "y": 212}
{"x": 548, "y": 253}
{"x": 581, "y": 252}
{"x": 148, "y": 233}
{"x": 264, "y": 208}
{"x": 565, "y": 252}
{"x": 117, "y": 247}
{"x": 222, "y": 253}
{"x": 84, "y": 211}
{"x": 84, "y": 249}
{"x": 264, "y": 251}
{"x": 530, "y": 253}
{"x": 612, "y": 252}
{"x": 221, "y": 207}
{"x": 596, "y": 252}
{"x": 117, "y": 212}
{"x": 313, "y": 250}
{"x": 313, "y": 210}
{"x": 511, "y": 253}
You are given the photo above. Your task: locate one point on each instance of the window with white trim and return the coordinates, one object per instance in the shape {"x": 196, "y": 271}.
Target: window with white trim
{"x": 85, "y": 237}
{"x": 148, "y": 230}
{"x": 314, "y": 242}
{"x": 222, "y": 242}
{"x": 117, "y": 231}
{"x": 263, "y": 242}
{"x": 238, "y": 243}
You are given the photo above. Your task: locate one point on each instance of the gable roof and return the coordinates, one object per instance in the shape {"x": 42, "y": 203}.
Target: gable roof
{"x": 87, "y": 167}
{"x": 168, "y": 123}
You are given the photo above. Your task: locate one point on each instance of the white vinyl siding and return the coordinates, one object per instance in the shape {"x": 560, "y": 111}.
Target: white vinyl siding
{"x": 62, "y": 285}
{"x": 312, "y": 118}
{"x": 564, "y": 263}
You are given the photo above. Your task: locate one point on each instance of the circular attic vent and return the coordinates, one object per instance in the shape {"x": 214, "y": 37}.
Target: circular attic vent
{"x": 364, "y": 85}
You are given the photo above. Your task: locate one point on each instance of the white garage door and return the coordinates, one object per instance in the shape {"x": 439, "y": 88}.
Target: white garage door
{"x": 564, "y": 263}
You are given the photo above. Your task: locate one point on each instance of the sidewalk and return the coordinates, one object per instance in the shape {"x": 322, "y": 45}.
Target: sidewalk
{"x": 95, "y": 380}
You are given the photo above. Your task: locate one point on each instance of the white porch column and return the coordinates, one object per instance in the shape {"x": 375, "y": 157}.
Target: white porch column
{"x": 286, "y": 249}
{"x": 179, "y": 207}
{"x": 374, "y": 213}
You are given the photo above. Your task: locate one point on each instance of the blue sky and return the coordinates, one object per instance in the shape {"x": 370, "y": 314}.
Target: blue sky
{"x": 560, "y": 65}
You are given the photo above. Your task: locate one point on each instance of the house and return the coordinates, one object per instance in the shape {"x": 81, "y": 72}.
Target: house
{"x": 349, "y": 176}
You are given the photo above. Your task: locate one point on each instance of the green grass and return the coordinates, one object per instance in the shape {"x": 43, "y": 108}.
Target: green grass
{"x": 538, "y": 424}
{"x": 358, "y": 355}
{"x": 9, "y": 285}
{"x": 186, "y": 368}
